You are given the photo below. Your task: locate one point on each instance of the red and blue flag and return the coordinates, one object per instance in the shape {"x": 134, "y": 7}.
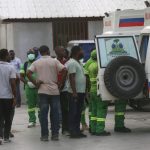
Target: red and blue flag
{"x": 131, "y": 22}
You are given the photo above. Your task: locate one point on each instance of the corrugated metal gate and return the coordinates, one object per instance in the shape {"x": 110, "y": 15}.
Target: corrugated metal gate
{"x": 64, "y": 31}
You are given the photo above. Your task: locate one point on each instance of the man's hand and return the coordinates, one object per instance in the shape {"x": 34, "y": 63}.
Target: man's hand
{"x": 75, "y": 96}
{"x": 38, "y": 83}
{"x": 14, "y": 102}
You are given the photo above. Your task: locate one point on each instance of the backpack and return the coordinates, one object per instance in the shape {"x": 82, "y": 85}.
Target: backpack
{"x": 25, "y": 70}
{"x": 25, "y": 67}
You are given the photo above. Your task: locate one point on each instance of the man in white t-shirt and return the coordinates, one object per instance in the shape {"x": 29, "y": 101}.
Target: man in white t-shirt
{"x": 47, "y": 70}
{"x": 7, "y": 94}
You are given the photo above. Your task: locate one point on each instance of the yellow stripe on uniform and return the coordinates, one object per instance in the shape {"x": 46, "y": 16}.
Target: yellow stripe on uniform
{"x": 119, "y": 113}
{"x": 93, "y": 119}
{"x": 93, "y": 79}
{"x": 101, "y": 119}
{"x": 32, "y": 110}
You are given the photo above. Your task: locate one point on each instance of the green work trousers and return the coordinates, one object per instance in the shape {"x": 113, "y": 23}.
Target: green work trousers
{"x": 99, "y": 113}
{"x": 120, "y": 108}
{"x": 32, "y": 102}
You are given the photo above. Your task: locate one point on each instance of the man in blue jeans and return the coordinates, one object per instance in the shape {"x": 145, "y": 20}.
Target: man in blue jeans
{"x": 47, "y": 70}
{"x": 76, "y": 89}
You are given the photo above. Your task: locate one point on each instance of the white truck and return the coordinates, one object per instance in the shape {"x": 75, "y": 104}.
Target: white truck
{"x": 124, "y": 56}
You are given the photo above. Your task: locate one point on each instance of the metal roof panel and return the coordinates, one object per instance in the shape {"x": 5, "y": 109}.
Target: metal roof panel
{"x": 12, "y": 9}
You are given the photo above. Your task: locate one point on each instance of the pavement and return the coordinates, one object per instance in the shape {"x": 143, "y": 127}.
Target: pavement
{"x": 29, "y": 139}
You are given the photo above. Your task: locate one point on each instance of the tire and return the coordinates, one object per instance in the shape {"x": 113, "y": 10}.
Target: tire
{"x": 124, "y": 77}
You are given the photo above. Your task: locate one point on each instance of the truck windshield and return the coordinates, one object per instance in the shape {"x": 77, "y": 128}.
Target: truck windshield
{"x": 112, "y": 47}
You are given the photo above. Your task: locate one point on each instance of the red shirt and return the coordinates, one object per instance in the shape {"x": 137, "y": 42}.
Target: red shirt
{"x": 63, "y": 61}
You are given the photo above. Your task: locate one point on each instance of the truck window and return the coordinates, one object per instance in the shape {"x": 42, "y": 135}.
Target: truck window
{"x": 87, "y": 48}
{"x": 112, "y": 47}
{"x": 143, "y": 48}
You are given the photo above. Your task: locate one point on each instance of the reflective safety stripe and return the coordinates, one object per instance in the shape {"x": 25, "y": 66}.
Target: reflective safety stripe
{"x": 22, "y": 71}
{"x": 93, "y": 119}
{"x": 101, "y": 119}
{"x": 32, "y": 110}
{"x": 119, "y": 113}
{"x": 93, "y": 79}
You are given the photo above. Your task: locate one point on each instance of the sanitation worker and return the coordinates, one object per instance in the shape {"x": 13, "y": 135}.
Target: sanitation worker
{"x": 30, "y": 89}
{"x": 99, "y": 107}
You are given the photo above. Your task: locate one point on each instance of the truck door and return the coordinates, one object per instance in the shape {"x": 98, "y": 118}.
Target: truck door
{"x": 144, "y": 47}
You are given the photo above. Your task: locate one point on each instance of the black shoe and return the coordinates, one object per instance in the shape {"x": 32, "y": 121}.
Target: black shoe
{"x": 7, "y": 141}
{"x": 123, "y": 130}
{"x": 11, "y": 135}
{"x": 18, "y": 106}
{"x": 93, "y": 133}
{"x": 75, "y": 136}
{"x": 104, "y": 133}
{"x": 44, "y": 139}
{"x": 82, "y": 135}
{"x": 55, "y": 138}
{"x": 1, "y": 141}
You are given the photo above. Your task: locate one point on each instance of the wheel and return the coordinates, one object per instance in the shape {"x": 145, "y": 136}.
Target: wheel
{"x": 124, "y": 77}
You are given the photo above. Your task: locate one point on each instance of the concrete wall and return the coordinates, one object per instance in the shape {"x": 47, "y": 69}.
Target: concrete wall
{"x": 29, "y": 35}
{"x": 23, "y": 36}
{"x": 94, "y": 28}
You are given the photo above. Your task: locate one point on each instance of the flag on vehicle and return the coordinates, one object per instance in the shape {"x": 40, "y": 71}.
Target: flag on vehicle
{"x": 131, "y": 22}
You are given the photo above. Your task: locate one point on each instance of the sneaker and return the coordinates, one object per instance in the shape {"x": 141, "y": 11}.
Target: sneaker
{"x": 7, "y": 140}
{"x": 122, "y": 130}
{"x": 55, "y": 138}
{"x": 31, "y": 125}
{"x": 44, "y": 139}
{"x": 104, "y": 133}
{"x": 11, "y": 135}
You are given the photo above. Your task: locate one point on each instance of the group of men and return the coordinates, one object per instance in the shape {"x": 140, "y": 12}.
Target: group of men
{"x": 61, "y": 82}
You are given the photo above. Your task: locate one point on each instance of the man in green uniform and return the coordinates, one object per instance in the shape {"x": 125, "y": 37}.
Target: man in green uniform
{"x": 30, "y": 90}
{"x": 99, "y": 107}
{"x": 87, "y": 102}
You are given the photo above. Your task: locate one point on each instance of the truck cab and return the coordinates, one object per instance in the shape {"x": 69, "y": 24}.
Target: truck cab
{"x": 86, "y": 45}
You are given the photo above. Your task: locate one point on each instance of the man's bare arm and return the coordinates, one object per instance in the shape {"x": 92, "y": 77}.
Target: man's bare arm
{"x": 73, "y": 84}
{"x": 64, "y": 76}
{"x": 13, "y": 87}
{"x": 35, "y": 82}
{"x": 22, "y": 78}
{"x": 29, "y": 75}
